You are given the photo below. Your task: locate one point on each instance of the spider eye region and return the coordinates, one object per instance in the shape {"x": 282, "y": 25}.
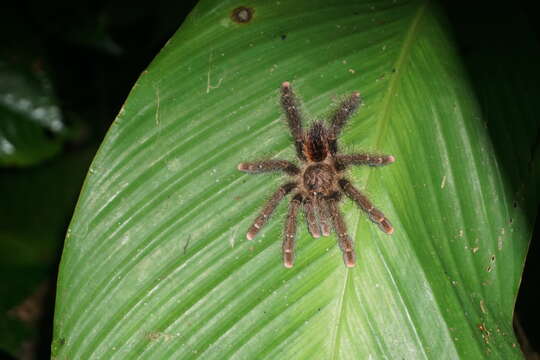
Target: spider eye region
{"x": 319, "y": 178}
{"x": 316, "y": 146}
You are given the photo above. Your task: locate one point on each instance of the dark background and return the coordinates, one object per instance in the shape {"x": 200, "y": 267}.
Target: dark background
{"x": 91, "y": 53}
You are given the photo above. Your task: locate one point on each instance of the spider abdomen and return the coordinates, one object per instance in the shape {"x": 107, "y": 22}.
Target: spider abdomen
{"x": 319, "y": 178}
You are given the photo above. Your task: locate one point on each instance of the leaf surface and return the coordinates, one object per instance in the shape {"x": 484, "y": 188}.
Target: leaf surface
{"x": 156, "y": 264}
{"x": 31, "y": 125}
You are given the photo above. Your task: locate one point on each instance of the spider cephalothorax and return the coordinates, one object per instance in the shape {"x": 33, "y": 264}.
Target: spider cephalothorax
{"x": 317, "y": 185}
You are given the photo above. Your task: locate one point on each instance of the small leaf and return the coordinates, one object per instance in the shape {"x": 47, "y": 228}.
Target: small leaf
{"x": 30, "y": 120}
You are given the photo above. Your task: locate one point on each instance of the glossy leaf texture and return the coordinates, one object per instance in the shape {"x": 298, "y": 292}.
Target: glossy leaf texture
{"x": 156, "y": 264}
{"x": 32, "y": 127}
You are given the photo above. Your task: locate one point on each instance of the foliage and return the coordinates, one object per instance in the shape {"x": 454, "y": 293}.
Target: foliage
{"x": 156, "y": 265}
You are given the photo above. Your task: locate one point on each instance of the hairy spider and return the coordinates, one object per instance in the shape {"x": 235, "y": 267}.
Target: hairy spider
{"x": 317, "y": 185}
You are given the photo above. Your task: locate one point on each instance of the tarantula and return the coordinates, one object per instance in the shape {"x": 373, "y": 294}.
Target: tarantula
{"x": 318, "y": 184}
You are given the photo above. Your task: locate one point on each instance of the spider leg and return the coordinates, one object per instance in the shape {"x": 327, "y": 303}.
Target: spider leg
{"x": 290, "y": 107}
{"x": 268, "y": 209}
{"x": 324, "y": 216}
{"x": 363, "y": 159}
{"x": 374, "y": 214}
{"x": 269, "y": 165}
{"x": 340, "y": 117}
{"x": 311, "y": 216}
{"x": 290, "y": 232}
{"x": 345, "y": 242}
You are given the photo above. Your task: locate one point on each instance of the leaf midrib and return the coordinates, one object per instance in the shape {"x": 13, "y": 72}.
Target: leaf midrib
{"x": 380, "y": 129}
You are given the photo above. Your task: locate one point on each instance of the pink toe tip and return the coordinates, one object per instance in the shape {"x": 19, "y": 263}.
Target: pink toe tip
{"x": 389, "y": 230}
{"x": 349, "y": 259}
{"x": 391, "y": 159}
{"x": 241, "y": 167}
{"x": 250, "y": 236}
{"x": 285, "y": 84}
{"x": 356, "y": 93}
{"x": 288, "y": 265}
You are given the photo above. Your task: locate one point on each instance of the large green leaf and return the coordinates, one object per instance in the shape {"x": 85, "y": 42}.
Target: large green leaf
{"x": 156, "y": 264}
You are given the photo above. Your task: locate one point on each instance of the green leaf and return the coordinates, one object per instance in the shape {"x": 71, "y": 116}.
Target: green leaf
{"x": 31, "y": 124}
{"x": 156, "y": 264}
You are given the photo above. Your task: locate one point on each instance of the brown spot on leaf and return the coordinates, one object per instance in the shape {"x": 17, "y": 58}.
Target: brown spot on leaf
{"x": 485, "y": 332}
{"x": 242, "y": 14}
